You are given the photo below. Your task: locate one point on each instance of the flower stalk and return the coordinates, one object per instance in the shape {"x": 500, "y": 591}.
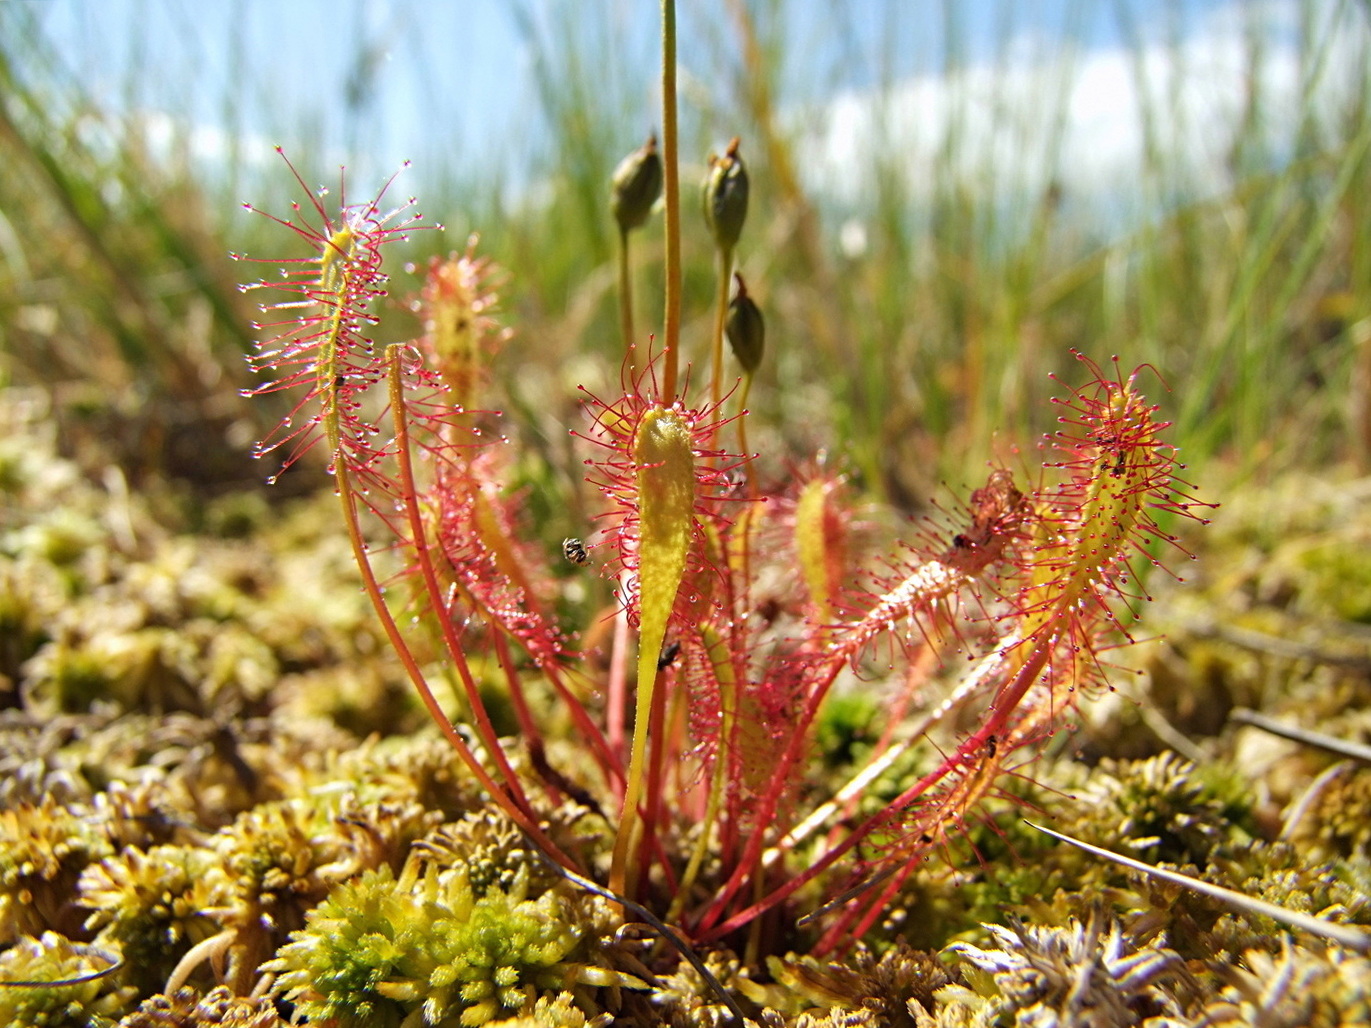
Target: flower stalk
{"x": 671, "y": 180}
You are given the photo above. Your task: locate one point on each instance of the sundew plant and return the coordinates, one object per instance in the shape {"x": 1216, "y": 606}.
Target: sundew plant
{"x": 745, "y": 602}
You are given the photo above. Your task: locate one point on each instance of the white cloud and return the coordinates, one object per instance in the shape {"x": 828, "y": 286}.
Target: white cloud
{"x": 1087, "y": 120}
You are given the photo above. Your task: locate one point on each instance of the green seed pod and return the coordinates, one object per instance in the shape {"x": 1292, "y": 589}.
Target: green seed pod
{"x": 635, "y": 185}
{"x": 745, "y": 329}
{"x": 725, "y": 197}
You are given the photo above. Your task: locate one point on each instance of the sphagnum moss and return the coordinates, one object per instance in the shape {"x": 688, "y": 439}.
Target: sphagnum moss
{"x": 151, "y": 906}
{"x": 384, "y": 951}
{"x": 43, "y": 850}
{"x": 218, "y": 1008}
{"x": 94, "y": 770}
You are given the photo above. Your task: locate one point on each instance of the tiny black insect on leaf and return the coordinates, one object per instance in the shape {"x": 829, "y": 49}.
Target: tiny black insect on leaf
{"x": 575, "y": 551}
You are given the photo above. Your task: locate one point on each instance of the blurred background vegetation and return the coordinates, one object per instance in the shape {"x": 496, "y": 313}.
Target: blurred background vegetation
{"x": 918, "y": 284}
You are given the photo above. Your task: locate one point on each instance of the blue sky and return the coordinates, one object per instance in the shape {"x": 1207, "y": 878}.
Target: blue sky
{"x": 458, "y": 75}
{"x": 453, "y": 84}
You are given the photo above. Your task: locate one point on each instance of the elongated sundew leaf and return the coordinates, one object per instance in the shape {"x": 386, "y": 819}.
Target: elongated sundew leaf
{"x": 1343, "y": 935}
{"x": 815, "y": 528}
{"x": 716, "y": 648}
{"x": 317, "y": 346}
{"x": 511, "y": 797}
{"x": 334, "y": 282}
{"x": 665, "y": 461}
{"x": 1088, "y": 530}
{"x": 421, "y": 549}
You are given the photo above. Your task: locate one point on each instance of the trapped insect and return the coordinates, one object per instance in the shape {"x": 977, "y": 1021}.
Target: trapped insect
{"x": 668, "y": 656}
{"x": 575, "y": 551}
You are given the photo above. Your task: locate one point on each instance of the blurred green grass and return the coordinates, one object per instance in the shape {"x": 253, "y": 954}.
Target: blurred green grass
{"x": 911, "y": 359}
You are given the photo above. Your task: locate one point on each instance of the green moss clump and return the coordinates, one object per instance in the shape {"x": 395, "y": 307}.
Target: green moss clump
{"x": 1335, "y": 822}
{"x": 43, "y": 850}
{"x": 1287, "y": 876}
{"x": 152, "y": 906}
{"x": 491, "y": 848}
{"x": 281, "y": 859}
{"x": 895, "y": 988}
{"x": 845, "y": 727}
{"x": 73, "y": 999}
{"x": 421, "y": 769}
{"x": 70, "y": 677}
{"x": 380, "y": 948}
{"x": 559, "y": 1011}
{"x": 28, "y": 592}
{"x": 1297, "y": 987}
{"x": 218, "y": 1008}
{"x": 1336, "y": 579}
{"x": 1162, "y": 810}
{"x": 1083, "y": 973}
{"x": 355, "y": 941}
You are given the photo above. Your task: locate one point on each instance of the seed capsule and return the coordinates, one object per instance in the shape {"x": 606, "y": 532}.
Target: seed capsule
{"x": 635, "y": 185}
{"x": 745, "y": 329}
{"x": 725, "y": 197}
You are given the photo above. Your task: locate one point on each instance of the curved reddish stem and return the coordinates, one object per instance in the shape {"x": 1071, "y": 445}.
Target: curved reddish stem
{"x": 972, "y": 749}
{"x": 519, "y": 814}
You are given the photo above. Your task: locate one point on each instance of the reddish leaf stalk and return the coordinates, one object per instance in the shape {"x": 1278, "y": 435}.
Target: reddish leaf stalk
{"x": 521, "y": 619}
{"x": 527, "y": 724}
{"x": 916, "y": 597}
{"x": 654, "y": 787}
{"x": 419, "y": 545}
{"x": 516, "y": 811}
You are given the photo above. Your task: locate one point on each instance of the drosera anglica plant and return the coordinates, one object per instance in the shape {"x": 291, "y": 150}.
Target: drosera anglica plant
{"x": 1030, "y": 593}
{"x": 323, "y": 351}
